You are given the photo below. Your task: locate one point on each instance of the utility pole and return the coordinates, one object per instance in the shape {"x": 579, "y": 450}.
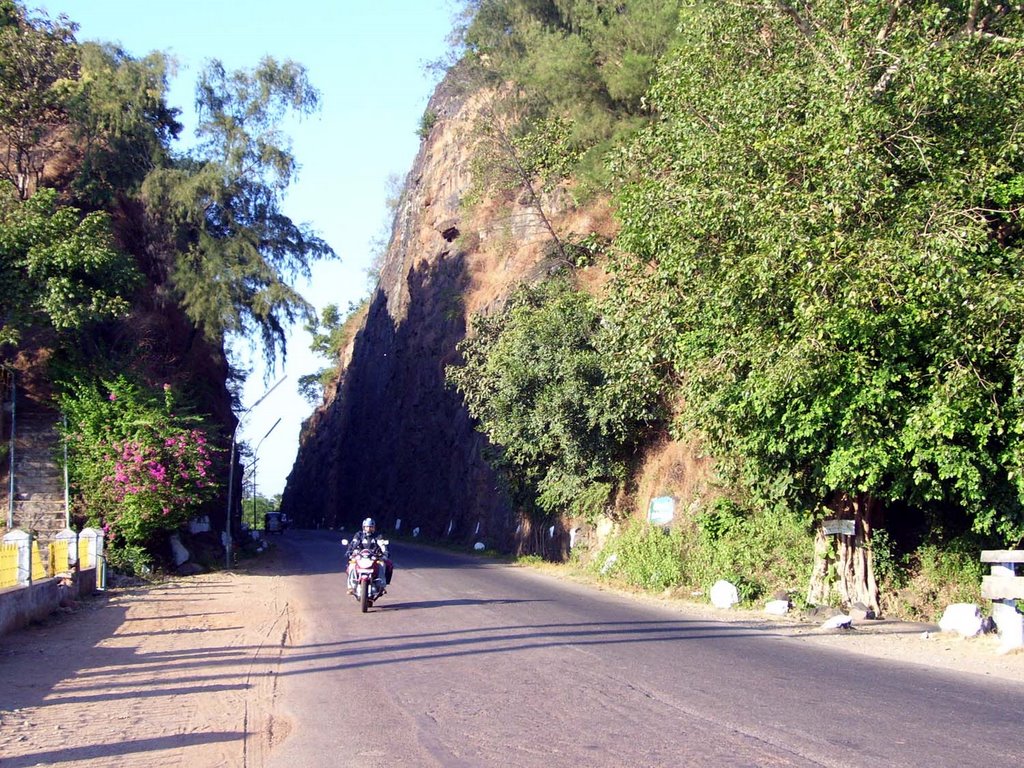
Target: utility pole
{"x": 231, "y": 474}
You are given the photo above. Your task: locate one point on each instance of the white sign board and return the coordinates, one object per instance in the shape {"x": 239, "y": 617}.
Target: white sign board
{"x": 839, "y": 527}
{"x": 661, "y": 510}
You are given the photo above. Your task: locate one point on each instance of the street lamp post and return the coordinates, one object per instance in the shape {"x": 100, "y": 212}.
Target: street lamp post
{"x": 254, "y": 460}
{"x": 231, "y": 474}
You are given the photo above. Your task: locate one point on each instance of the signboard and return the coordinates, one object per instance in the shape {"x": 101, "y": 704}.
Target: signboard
{"x": 839, "y": 527}
{"x": 661, "y": 510}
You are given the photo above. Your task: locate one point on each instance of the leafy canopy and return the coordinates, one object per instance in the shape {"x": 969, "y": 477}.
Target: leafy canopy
{"x": 535, "y": 378}
{"x": 38, "y": 65}
{"x": 58, "y": 269}
{"x": 221, "y": 206}
{"x": 121, "y": 120}
{"x": 578, "y": 68}
{"x": 824, "y": 229}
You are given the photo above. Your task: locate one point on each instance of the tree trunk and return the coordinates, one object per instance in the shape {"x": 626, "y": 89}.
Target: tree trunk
{"x": 844, "y": 568}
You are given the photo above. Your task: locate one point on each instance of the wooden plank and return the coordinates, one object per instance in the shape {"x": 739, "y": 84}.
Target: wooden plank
{"x": 1002, "y": 556}
{"x": 1002, "y": 587}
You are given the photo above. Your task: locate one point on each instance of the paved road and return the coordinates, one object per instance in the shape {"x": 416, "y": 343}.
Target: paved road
{"x": 469, "y": 663}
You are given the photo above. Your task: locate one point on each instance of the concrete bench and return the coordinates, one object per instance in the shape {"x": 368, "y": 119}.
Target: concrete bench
{"x": 1004, "y": 587}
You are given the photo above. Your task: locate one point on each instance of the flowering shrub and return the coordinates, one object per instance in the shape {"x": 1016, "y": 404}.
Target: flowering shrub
{"x": 137, "y": 469}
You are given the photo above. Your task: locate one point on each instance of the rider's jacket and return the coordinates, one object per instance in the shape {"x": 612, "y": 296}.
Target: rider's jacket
{"x": 363, "y": 540}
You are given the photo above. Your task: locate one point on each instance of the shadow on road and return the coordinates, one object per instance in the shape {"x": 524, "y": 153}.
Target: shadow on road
{"x": 119, "y": 750}
{"x": 420, "y": 604}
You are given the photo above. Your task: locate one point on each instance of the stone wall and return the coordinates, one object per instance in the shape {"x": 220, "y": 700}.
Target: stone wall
{"x": 20, "y": 606}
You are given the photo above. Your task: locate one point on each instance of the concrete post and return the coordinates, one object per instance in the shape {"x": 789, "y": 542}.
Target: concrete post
{"x": 1004, "y": 613}
{"x": 24, "y": 543}
{"x": 95, "y": 559}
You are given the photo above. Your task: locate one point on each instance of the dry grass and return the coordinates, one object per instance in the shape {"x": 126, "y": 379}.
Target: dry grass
{"x": 498, "y": 259}
{"x": 671, "y": 468}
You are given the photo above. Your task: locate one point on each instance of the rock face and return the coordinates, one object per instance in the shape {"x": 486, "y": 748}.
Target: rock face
{"x": 391, "y": 441}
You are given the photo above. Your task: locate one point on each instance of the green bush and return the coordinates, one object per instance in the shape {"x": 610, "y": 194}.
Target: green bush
{"x": 138, "y": 468}
{"x": 129, "y": 559}
{"x": 427, "y": 122}
{"x": 646, "y": 556}
{"x": 938, "y": 574}
{"x": 541, "y": 380}
{"x": 760, "y": 552}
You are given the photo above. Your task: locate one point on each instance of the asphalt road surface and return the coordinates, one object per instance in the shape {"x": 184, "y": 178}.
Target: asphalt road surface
{"x": 470, "y": 663}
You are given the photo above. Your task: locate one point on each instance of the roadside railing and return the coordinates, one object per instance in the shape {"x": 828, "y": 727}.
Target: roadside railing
{"x": 21, "y": 562}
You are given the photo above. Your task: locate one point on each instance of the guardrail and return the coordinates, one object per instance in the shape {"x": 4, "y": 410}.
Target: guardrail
{"x": 1004, "y": 587}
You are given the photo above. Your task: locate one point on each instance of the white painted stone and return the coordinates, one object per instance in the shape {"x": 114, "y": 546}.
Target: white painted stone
{"x": 415, "y": 531}
{"x": 199, "y": 524}
{"x": 479, "y": 546}
{"x": 724, "y": 594}
{"x": 962, "y": 618}
{"x": 181, "y": 555}
{"x": 777, "y": 607}
{"x": 608, "y": 563}
{"x": 1010, "y": 624}
{"x": 842, "y": 621}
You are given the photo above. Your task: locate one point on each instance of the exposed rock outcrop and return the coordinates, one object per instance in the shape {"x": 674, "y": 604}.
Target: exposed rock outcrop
{"x": 392, "y": 441}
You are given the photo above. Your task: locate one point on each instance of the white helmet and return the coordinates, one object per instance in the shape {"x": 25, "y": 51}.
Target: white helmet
{"x": 369, "y": 526}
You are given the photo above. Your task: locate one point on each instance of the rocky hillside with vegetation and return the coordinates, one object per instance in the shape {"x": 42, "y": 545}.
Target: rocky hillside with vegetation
{"x": 681, "y": 291}
{"x": 761, "y": 260}
{"x": 129, "y": 268}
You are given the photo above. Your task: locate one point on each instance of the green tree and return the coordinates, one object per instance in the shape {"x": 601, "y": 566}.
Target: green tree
{"x": 824, "y": 229}
{"x": 534, "y": 377}
{"x": 580, "y": 57}
{"x": 121, "y": 121}
{"x": 329, "y": 337}
{"x": 571, "y": 75}
{"x": 38, "y": 64}
{"x": 221, "y": 207}
{"x": 58, "y": 269}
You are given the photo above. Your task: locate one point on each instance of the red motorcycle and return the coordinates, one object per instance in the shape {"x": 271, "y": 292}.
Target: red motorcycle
{"x": 367, "y": 580}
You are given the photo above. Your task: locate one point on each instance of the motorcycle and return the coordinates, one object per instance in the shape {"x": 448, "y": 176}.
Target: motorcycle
{"x": 367, "y": 574}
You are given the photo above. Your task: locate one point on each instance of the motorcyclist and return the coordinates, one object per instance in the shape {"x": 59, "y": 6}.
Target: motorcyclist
{"x": 366, "y": 538}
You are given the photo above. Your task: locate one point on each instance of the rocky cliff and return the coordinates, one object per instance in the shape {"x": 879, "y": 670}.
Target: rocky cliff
{"x": 391, "y": 441}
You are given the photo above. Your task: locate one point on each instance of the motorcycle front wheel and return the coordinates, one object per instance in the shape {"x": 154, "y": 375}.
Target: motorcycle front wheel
{"x": 364, "y": 597}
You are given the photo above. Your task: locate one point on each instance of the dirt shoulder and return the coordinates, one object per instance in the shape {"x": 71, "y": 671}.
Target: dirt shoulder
{"x": 180, "y": 673}
{"x": 184, "y": 673}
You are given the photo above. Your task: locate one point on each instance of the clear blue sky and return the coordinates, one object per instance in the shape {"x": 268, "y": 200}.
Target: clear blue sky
{"x": 367, "y": 58}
